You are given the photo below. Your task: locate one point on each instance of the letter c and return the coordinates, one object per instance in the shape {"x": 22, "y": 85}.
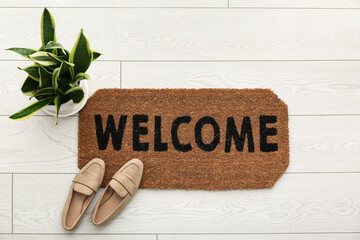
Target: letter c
{"x": 174, "y": 134}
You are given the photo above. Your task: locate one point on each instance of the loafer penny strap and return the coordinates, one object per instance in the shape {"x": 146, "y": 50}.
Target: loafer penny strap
{"x": 88, "y": 185}
{"x": 124, "y": 181}
{"x": 118, "y": 188}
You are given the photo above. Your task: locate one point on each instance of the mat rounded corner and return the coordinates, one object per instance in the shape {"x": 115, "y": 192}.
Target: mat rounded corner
{"x": 99, "y": 92}
{"x": 276, "y": 180}
{"x": 282, "y": 102}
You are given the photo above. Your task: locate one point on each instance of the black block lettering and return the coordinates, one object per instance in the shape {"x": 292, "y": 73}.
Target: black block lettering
{"x": 231, "y": 132}
{"x": 116, "y": 135}
{"x": 264, "y": 132}
{"x": 198, "y": 138}
{"x": 174, "y": 134}
{"x": 137, "y": 131}
{"x": 158, "y": 145}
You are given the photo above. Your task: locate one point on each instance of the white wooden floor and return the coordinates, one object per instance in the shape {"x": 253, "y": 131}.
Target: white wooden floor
{"x": 307, "y": 51}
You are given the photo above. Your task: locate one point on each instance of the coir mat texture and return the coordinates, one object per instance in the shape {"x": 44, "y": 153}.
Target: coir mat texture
{"x": 213, "y": 139}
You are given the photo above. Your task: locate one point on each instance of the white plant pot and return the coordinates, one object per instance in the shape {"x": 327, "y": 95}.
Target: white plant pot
{"x": 69, "y": 108}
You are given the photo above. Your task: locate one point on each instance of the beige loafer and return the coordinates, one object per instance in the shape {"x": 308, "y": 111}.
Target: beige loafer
{"x": 118, "y": 192}
{"x": 83, "y": 188}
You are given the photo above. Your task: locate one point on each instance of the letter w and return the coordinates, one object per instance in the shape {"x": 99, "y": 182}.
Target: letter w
{"x": 116, "y": 135}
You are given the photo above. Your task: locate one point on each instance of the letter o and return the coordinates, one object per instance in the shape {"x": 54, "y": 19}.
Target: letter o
{"x": 198, "y": 138}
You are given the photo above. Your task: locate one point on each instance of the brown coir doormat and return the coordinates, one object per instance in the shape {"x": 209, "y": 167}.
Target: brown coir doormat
{"x": 213, "y": 139}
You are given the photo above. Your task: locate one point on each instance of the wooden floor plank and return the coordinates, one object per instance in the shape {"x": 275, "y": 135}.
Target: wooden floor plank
{"x": 73, "y": 236}
{"x": 193, "y": 34}
{"x": 324, "y": 144}
{"x": 102, "y": 74}
{"x": 317, "y": 144}
{"x": 37, "y": 145}
{"x": 185, "y": 3}
{"x": 295, "y": 3}
{"x": 346, "y": 236}
{"x": 307, "y": 87}
{"x": 298, "y": 203}
{"x": 115, "y": 3}
{"x": 5, "y": 203}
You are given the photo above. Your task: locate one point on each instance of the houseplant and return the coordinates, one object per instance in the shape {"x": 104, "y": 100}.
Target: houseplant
{"x": 55, "y": 77}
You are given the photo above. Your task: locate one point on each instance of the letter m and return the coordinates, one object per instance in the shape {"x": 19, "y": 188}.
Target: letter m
{"x": 116, "y": 135}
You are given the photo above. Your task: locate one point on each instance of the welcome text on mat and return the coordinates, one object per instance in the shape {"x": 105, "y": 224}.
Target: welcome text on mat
{"x": 231, "y": 133}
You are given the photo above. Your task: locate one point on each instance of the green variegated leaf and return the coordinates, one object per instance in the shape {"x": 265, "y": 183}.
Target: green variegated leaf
{"x": 57, "y": 49}
{"x": 29, "y": 86}
{"x": 57, "y": 102}
{"x": 44, "y": 91}
{"x": 45, "y": 78}
{"x": 76, "y": 94}
{"x": 43, "y": 59}
{"x": 49, "y": 69}
{"x": 79, "y": 77}
{"x": 64, "y": 69}
{"x": 63, "y": 85}
{"x": 67, "y": 53}
{"x": 54, "y": 45}
{"x": 33, "y": 71}
{"x": 25, "y": 52}
{"x": 55, "y": 78}
{"x": 80, "y": 55}
{"x": 63, "y": 54}
{"x": 47, "y": 28}
{"x": 32, "y": 109}
{"x": 62, "y": 59}
{"x": 96, "y": 55}
{"x": 57, "y": 58}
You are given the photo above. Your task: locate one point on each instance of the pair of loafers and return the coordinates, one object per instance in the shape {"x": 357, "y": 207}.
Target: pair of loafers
{"x": 116, "y": 195}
